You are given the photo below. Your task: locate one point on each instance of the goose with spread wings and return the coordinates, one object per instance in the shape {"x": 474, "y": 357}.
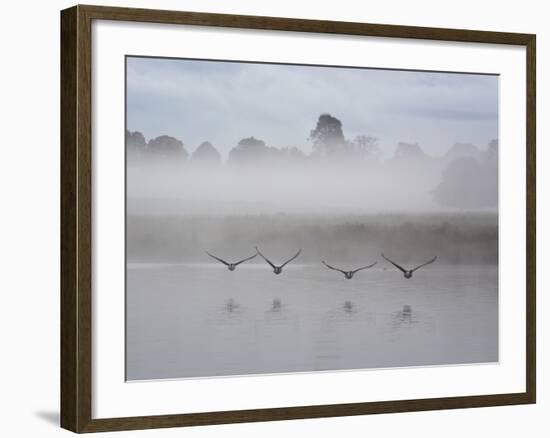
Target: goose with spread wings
{"x": 348, "y": 274}
{"x": 231, "y": 266}
{"x": 408, "y": 273}
{"x": 278, "y": 269}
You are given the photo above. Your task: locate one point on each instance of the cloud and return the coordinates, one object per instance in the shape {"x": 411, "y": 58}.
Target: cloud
{"x": 224, "y": 102}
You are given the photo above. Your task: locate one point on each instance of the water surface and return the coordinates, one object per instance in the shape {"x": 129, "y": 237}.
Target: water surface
{"x": 203, "y": 320}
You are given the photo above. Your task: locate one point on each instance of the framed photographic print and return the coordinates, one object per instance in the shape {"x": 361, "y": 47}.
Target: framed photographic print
{"x": 271, "y": 218}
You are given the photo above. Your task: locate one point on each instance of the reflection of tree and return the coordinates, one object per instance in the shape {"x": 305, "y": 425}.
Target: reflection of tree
{"x": 206, "y": 153}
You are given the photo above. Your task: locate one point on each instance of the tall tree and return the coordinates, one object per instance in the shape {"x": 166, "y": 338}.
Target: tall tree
{"x": 328, "y": 136}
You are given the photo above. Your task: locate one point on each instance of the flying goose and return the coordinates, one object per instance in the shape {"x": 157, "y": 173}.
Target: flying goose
{"x": 278, "y": 269}
{"x": 348, "y": 274}
{"x": 408, "y": 273}
{"x": 231, "y": 266}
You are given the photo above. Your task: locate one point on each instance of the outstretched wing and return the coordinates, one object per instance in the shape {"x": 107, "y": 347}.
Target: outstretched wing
{"x": 332, "y": 267}
{"x": 402, "y": 269}
{"x": 245, "y": 260}
{"x": 424, "y": 264}
{"x": 218, "y": 259}
{"x": 264, "y": 257}
{"x": 364, "y": 267}
{"x": 289, "y": 260}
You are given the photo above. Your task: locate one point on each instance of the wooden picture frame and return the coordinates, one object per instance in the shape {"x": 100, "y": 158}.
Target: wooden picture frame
{"x": 76, "y": 218}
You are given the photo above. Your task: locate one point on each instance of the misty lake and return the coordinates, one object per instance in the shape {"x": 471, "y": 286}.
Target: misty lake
{"x": 203, "y": 320}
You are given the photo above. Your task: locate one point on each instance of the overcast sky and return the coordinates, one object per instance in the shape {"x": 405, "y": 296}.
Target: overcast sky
{"x": 223, "y": 102}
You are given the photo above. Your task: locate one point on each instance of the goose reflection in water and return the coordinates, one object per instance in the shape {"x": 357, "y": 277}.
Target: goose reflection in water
{"x": 404, "y": 316}
{"x": 349, "y": 307}
{"x": 276, "y": 305}
{"x": 231, "y": 306}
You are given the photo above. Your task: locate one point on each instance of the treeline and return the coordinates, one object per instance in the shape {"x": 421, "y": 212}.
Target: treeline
{"x": 327, "y": 139}
{"x": 455, "y": 239}
{"x": 465, "y": 177}
{"x": 168, "y": 147}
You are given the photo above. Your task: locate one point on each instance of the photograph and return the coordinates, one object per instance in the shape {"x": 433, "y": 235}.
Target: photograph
{"x": 293, "y": 218}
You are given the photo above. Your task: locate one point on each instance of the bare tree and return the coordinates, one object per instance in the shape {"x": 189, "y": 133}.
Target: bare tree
{"x": 366, "y": 147}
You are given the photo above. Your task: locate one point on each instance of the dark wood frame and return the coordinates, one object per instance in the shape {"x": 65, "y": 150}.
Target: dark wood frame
{"x": 76, "y": 219}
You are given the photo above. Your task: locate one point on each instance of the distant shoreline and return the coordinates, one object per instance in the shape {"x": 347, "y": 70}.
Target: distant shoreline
{"x": 455, "y": 238}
